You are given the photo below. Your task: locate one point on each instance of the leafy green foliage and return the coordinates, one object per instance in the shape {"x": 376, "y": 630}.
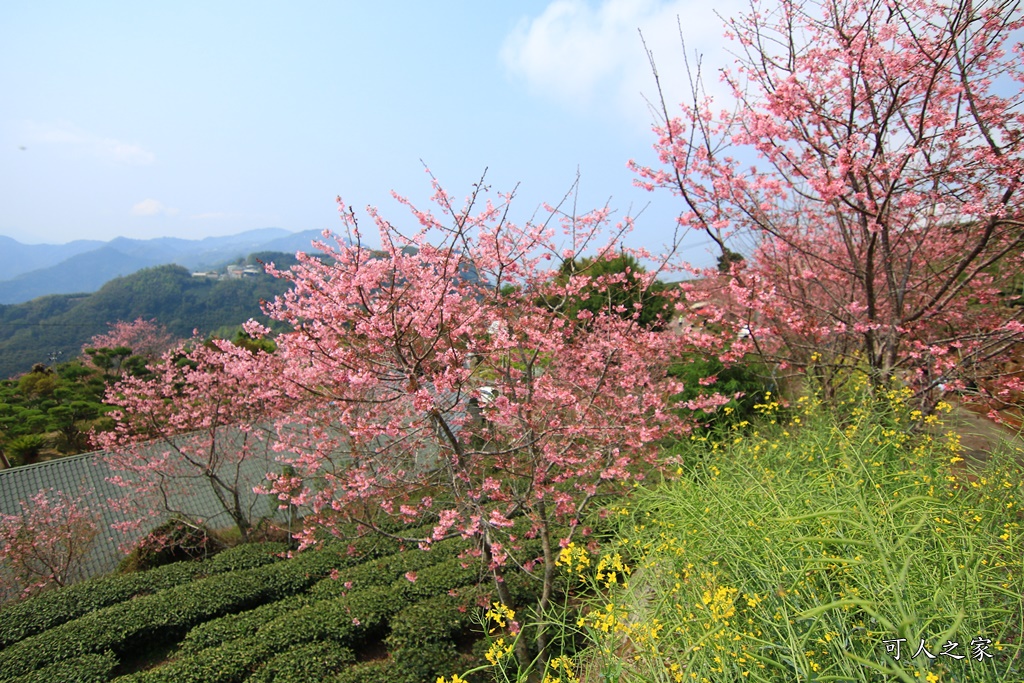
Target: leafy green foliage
{"x": 247, "y": 614}
{"x": 173, "y": 541}
{"x": 129, "y": 628}
{"x": 617, "y": 287}
{"x": 309, "y": 663}
{"x": 745, "y": 382}
{"x": 95, "y": 668}
{"x": 53, "y": 608}
{"x": 379, "y": 671}
{"x": 50, "y": 408}
{"x": 424, "y": 636}
{"x": 25, "y": 449}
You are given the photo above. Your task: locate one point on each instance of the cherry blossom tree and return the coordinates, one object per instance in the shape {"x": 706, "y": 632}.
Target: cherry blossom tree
{"x": 197, "y": 416}
{"x": 447, "y": 377}
{"x": 882, "y": 213}
{"x": 145, "y": 339}
{"x": 45, "y": 545}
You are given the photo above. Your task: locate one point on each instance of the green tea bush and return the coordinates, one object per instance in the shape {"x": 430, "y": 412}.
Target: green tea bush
{"x": 348, "y": 621}
{"x": 95, "y": 668}
{"x": 424, "y": 639}
{"x": 374, "y": 572}
{"x": 382, "y": 571}
{"x": 309, "y": 663}
{"x": 53, "y": 608}
{"x": 168, "y": 615}
{"x": 245, "y": 556}
{"x": 359, "y": 616}
{"x": 380, "y": 671}
{"x": 218, "y": 631}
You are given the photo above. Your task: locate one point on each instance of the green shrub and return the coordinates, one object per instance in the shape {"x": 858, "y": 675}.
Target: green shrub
{"x": 128, "y": 628}
{"x": 53, "y": 608}
{"x": 234, "y": 626}
{"x": 424, "y": 638}
{"x": 94, "y": 668}
{"x": 439, "y": 578}
{"x": 229, "y": 663}
{"x": 246, "y": 556}
{"x": 360, "y": 616}
{"x": 233, "y": 661}
{"x": 746, "y": 379}
{"x": 310, "y": 663}
{"x": 25, "y": 449}
{"x": 380, "y": 671}
{"x": 382, "y": 571}
{"x": 172, "y": 541}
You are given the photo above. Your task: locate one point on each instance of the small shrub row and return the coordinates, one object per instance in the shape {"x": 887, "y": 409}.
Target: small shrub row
{"x": 246, "y": 556}
{"x": 53, "y": 608}
{"x": 379, "y": 671}
{"x": 236, "y": 660}
{"x": 374, "y": 572}
{"x": 309, "y": 663}
{"x": 350, "y": 620}
{"x": 48, "y": 610}
{"x": 238, "y": 625}
{"x": 167, "y": 615}
{"x": 382, "y": 571}
{"x": 424, "y": 638}
{"x": 95, "y": 668}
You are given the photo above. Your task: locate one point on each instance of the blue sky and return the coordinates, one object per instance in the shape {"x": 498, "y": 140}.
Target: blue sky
{"x": 193, "y": 119}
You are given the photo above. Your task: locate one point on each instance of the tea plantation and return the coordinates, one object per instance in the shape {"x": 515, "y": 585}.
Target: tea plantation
{"x": 367, "y": 611}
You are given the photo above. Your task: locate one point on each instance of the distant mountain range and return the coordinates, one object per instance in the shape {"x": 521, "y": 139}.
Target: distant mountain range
{"x": 28, "y": 271}
{"x": 53, "y": 328}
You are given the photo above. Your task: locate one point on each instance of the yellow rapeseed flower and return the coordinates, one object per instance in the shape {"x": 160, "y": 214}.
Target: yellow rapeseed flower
{"x": 499, "y": 613}
{"x": 498, "y": 651}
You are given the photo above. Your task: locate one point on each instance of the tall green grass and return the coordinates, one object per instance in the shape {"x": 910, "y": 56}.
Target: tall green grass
{"x": 803, "y": 549}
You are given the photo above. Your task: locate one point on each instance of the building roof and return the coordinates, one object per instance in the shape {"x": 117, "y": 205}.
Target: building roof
{"x": 86, "y": 476}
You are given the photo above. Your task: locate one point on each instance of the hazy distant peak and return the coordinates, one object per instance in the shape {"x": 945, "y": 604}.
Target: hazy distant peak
{"x": 28, "y": 271}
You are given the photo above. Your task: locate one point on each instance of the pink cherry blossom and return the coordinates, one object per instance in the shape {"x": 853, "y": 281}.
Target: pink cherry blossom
{"x": 885, "y": 195}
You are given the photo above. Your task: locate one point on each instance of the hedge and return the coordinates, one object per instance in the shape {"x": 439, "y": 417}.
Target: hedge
{"x": 374, "y": 572}
{"x": 382, "y": 571}
{"x": 359, "y": 616}
{"x": 310, "y": 663}
{"x": 218, "y": 631}
{"x": 423, "y": 638}
{"x": 380, "y": 671}
{"x": 234, "y": 661}
{"x": 168, "y": 615}
{"x": 94, "y": 668}
{"x": 53, "y": 608}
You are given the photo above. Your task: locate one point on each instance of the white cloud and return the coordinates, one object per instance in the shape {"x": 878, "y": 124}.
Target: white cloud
{"x": 152, "y": 207}
{"x": 109, "y": 149}
{"x": 585, "y": 55}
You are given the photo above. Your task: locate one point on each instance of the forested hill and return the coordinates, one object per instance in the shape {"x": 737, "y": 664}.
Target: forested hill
{"x": 55, "y": 327}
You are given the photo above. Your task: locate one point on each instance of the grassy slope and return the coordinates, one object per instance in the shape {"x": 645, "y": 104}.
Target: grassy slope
{"x": 795, "y": 551}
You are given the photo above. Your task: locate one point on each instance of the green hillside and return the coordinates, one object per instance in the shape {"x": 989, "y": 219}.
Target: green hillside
{"x": 55, "y": 327}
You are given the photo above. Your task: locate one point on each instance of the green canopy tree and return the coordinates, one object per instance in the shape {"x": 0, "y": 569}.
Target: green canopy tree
{"x": 617, "y": 284}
